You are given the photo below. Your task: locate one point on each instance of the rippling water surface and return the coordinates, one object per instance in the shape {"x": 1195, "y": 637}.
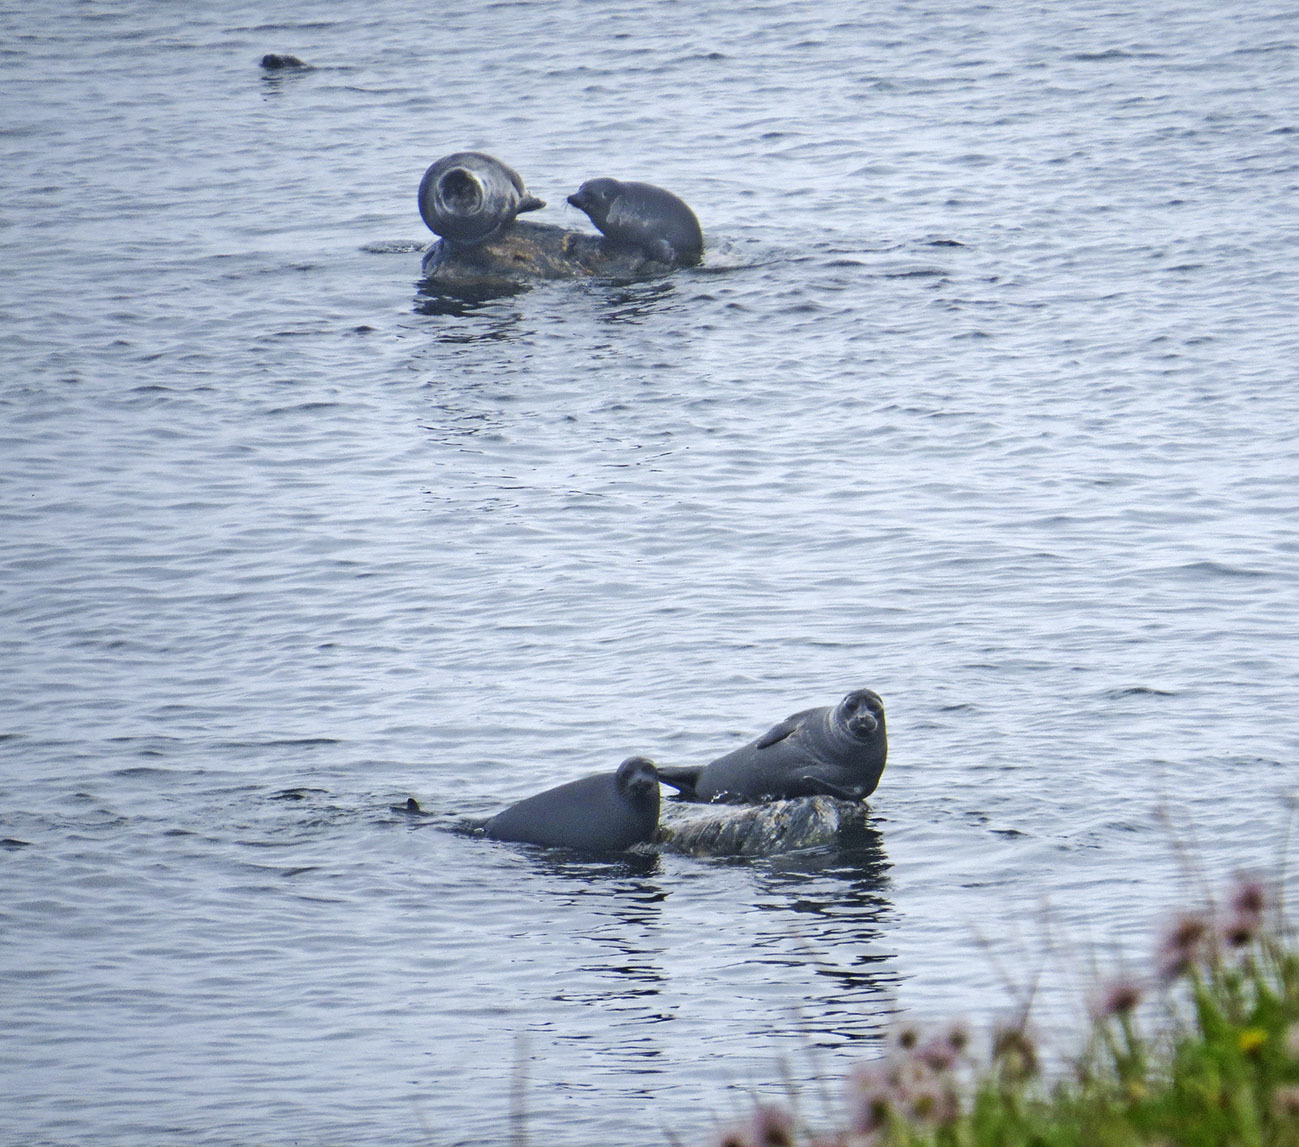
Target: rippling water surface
{"x": 985, "y": 398}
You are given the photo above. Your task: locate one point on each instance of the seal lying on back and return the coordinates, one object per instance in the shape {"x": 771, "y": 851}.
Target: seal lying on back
{"x": 468, "y": 197}
{"x": 836, "y": 751}
{"x": 642, "y": 217}
{"x": 608, "y": 812}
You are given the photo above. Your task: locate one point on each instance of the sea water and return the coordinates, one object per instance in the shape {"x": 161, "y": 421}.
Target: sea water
{"x": 984, "y": 397}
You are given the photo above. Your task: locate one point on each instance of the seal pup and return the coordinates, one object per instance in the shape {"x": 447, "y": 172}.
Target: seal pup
{"x": 608, "y": 812}
{"x": 837, "y": 750}
{"x": 468, "y": 197}
{"x": 643, "y": 217}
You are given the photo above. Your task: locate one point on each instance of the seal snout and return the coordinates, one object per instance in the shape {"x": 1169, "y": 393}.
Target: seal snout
{"x": 863, "y": 723}
{"x": 580, "y": 199}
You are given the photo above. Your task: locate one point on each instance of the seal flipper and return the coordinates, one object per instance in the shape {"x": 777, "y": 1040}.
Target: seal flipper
{"x": 778, "y": 733}
{"x": 682, "y": 779}
{"x": 530, "y": 203}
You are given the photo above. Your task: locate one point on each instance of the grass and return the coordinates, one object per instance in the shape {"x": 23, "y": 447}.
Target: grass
{"x": 1204, "y": 1054}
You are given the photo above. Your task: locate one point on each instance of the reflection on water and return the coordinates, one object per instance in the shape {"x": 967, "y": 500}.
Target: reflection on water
{"x": 436, "y": 301}
{"x": 634, "y": 302}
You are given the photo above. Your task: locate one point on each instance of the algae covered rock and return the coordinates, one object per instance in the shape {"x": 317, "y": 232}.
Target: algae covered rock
{"x": 761, "y": 829}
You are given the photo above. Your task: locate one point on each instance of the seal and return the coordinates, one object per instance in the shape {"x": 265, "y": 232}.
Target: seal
{"x": 608, "y": 812}
{"x": 274, "y": 62}
{"x": 642, "y": 217}
{"x": 467, "y": 197}
{"x": 837, "y": 750}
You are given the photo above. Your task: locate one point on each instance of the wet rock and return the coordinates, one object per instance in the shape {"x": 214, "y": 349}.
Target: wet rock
{"x": 761, "y": 829}
{"x": 522, "y": 253}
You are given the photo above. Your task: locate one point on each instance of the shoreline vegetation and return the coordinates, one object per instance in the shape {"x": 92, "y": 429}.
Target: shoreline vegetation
{"x": 1201, "y": 1052}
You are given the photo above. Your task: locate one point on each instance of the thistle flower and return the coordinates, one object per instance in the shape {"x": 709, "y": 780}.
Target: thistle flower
{"x": 905, "y": 1038}
{"x": 1285, "y": 1102}
{"x": 769, "y": 1127}
{"x": 1248, "y": 898}
{"x": 1119, "y": 997}
{"x": 933, "y": 1101}
{"x": 944, "y": 1049}
{"x": 1292, "y": 1041}
{"x": 1015, "y": 1053}
{"x": 772, "y": 1127}
{"x": 1245, "y": 916}
{"x": 1183, "y": 944}
{"x": 958, "y": 1038}
{"x": 872, "y": 1096}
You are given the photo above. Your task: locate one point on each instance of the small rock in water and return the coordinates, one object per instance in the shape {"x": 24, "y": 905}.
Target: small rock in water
{"x": 759, "y": 829}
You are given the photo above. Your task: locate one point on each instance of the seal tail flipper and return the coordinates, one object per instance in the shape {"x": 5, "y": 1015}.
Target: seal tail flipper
{"x": 530, "y": 203}
{"x": 682, "y": 779}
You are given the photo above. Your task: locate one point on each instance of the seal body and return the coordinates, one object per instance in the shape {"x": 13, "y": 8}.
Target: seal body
{"x": 644, "y": 218}
{"x": 838, "y": 750}
{"x": 608, "y": 812}
{"x": 468, "y": 197}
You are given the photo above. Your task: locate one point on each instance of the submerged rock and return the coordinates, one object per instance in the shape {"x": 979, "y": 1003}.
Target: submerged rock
{"x": 761, "y": 829}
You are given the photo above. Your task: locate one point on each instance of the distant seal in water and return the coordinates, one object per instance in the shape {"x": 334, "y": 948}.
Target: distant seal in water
{"x": 608, "y": 812}
{"x": 274, "y": 61}
{"x": 643, "y": 217}
{"x": 836, "y": 751}
{"x": 468, "y": 197}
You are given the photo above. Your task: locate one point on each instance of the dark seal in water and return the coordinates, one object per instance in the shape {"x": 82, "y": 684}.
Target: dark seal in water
{"x": 608, "y": 812}
{"x": 468, "y": 197}
{"x": 836, "y": 751}
{"x": 643, "y": 218}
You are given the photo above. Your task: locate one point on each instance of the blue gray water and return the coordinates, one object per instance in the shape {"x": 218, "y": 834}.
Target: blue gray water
{"x": 986, "y": 398}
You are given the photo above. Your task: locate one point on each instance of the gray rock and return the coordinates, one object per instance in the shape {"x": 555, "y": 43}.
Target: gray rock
{"x": 760, "y": 829}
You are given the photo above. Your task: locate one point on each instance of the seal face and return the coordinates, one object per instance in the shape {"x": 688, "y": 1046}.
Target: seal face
{"x": 837, "y": 751}
{"x": 468, "y": 197}
{"x": 608, "y": 812}
{"x": 643, "y": 217}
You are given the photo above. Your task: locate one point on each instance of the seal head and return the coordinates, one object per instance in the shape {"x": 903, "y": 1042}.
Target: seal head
{"x": 468, "y": 197}
{"x": 837, "y": 751}
{"x": 608, "y": 812}
{"x": 642, "y": 217}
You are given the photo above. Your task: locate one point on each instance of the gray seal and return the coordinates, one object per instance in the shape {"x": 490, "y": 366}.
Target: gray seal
{"x": 468, "y": 197}
{"x": 837, "y": 750}
{"x": 608, "y": 812}
{"x": 642, "y": 217}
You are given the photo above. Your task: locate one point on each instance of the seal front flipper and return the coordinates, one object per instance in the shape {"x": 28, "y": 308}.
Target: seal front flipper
{"x": 682, "y": 779}
{"x": 778, "y": 733}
